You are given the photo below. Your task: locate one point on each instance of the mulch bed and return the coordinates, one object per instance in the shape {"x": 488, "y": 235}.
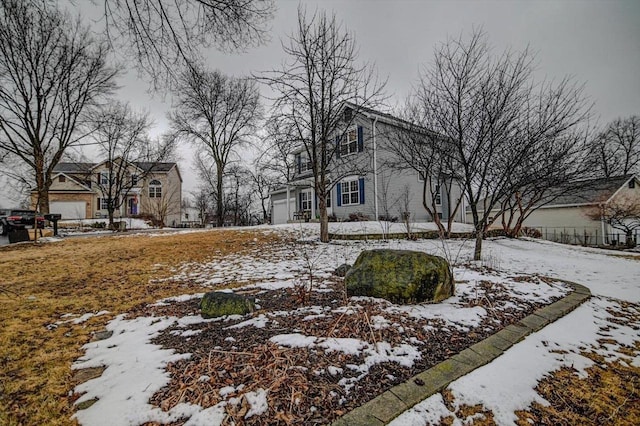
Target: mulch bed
{"x": 310, "y": 385}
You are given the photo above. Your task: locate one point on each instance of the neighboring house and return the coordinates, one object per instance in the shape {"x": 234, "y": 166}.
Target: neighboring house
{"x": 366, "y": 184}
{"x": 566, "y": 219}
{"x": 155, "y": 189}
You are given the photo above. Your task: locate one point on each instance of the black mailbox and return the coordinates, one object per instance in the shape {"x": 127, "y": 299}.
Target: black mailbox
{"x": 53, "y": 217}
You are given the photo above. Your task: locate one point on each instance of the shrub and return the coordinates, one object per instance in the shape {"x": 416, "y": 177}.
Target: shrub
{"x": 531, "y": 232}
{"x": 358, "y": 217}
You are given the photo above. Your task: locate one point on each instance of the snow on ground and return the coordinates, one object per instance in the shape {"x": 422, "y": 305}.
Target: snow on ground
{"x": 136, "y": 368}
{"x": 507, "y": 384}
{"x": 131, "y": 223}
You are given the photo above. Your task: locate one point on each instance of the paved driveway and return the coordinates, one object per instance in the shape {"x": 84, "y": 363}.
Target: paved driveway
{"x": 4, "y": 240}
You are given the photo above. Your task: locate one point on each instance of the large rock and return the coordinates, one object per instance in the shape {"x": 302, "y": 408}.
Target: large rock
{"x": 217, "y": 304}
{"x": 400, "y": 276}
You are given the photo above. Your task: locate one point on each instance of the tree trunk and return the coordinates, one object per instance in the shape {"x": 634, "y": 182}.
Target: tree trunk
{"x": 477, "y": 252}
{"x": 324, "y": 217}
{"x": 219, "y": 204}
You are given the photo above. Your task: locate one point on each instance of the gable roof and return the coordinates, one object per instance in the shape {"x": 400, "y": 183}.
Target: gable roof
{"x": 87, "y": 167}
{"x": 589, "y": 191}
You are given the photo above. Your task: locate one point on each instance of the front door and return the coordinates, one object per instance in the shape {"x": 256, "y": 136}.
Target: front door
{"x": 133, "y": 206}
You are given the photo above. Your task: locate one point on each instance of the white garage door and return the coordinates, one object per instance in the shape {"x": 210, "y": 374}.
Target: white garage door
{"x": 279, "y": 213}
{"x": 69, "y": 209}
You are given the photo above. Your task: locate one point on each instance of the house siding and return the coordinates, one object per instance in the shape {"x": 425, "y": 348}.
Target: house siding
{"x": 391, "y": 183}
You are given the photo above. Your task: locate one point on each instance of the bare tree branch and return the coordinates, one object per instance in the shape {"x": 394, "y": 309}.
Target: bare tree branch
{"x": 52, "y": 73}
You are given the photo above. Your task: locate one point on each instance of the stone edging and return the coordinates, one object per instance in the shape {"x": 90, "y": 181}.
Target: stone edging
{"x": 395, "y": 401}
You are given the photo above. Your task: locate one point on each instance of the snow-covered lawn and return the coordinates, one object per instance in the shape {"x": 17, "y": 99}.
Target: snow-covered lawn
{"x": 138, "y": 366}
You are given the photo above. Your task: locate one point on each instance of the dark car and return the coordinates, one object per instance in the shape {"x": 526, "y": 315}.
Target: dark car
{"x": 10, "y": 220}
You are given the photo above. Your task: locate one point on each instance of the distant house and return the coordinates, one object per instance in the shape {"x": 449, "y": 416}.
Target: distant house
{"x": 155, "y": 189}
{"x": 367, "y": 185}
{"x": 566, "y": 218}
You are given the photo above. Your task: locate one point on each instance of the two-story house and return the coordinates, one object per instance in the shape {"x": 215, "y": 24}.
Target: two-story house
{"x": 79, "y": 191}
{"x": 366, "y": 183}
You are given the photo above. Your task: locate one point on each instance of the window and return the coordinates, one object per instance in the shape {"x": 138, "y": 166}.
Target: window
{"x": 350, "y": 192}
{"x": 155, "y": 189}
{"x": 62, "y": 178}
{"x": 134, "y": 180}
{"x": 305, "y": 201}
{"x": 349, "y": 143}
{"x": 304, "y": 163}
{"x": 632, "y": 183}
{"x": 103, "y": 203}
{"x": 437, "y": 194}
{"x": 104, "y": 178}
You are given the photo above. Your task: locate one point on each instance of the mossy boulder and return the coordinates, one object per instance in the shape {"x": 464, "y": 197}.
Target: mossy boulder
{"x": 400, "y": 276}
{"x": 216, "y": 304}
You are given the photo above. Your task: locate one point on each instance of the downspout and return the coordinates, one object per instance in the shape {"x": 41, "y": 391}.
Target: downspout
{"x": 602, "y": 223}
{"x": 375, "y": 168}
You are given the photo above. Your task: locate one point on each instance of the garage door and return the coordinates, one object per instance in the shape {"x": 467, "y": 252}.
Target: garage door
{"x": 279, "y": 213}
{"x": 69, "y": 209}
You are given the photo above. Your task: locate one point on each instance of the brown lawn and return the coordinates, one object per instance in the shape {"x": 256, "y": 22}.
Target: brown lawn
{"x": 40, "y": 283}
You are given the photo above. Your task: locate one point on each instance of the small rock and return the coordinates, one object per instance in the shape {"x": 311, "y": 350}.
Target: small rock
{"x": 217, "y": 304}
{"x": 102, "y": 335}
{"x": 342, "y": 270}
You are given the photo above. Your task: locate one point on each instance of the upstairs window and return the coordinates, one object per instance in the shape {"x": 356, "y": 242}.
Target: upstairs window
{"x": 632, "y": 183}
{"x": 62, "y": 178}
{"x": 155, "y": 189}
{"x": 134, "y": 180}
{"x": 349, "y": 143}
{"x": 104, "y": 178}
{"x": 303, "y": 163}
{"x": 437, "y": 194}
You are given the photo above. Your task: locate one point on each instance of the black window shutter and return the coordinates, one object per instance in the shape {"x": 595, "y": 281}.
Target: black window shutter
{"x": 337, "y": 146}
{"x": 360, "y": 139}
{"x": 361, "y": 187}
{"x": 299, "y": 162}
{"x": 339, "y": 191}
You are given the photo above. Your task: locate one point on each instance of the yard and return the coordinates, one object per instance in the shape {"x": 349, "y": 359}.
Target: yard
{"x": 295, "y": 361}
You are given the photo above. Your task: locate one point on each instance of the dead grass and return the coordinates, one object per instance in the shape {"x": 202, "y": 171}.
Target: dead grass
{"x": 40, "y": 283}
{"x": 610, "y": 395}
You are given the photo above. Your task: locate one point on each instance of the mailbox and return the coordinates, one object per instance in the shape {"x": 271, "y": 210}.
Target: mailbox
{"x": 53, "y": 217}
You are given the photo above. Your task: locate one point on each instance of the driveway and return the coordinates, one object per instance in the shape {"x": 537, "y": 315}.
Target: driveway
{"x": 4, "y": 240}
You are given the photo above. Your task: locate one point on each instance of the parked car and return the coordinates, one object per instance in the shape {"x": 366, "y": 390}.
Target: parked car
{"x": 13, "y": 219}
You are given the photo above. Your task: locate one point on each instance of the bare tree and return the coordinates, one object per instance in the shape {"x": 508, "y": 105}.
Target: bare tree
{"x": 493, "y": 120}
{"x": 202, "y": 203}
{"x": 616, "y": 149}
{"x": 430, "y": 155}
{"x": 321, "y": 77}
{"x": 622, "y": 214}
{"x": 165, "y": 35}
{"x": 163, "y": 205}
{"x": 52, "y": 71}
{"x": 263, "y": 183}
{"x": 218, "y": 114}
{"x": 130, "y": 155}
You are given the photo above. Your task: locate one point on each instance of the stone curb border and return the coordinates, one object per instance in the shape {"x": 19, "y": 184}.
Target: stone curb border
{"x": 395, "y": 401}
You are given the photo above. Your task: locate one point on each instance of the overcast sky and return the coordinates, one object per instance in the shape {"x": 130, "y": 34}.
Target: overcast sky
{"x": 596, "y": 42}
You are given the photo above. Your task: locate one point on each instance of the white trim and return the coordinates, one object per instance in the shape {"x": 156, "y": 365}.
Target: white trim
{"x": 342, "y": 192}
{"x": 72, "y": 180}
{"x": 375, "y": 168}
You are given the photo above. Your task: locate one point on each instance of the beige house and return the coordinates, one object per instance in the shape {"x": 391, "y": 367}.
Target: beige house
{"x": 567, "y": 218}
{"x": 153, "y": 189}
